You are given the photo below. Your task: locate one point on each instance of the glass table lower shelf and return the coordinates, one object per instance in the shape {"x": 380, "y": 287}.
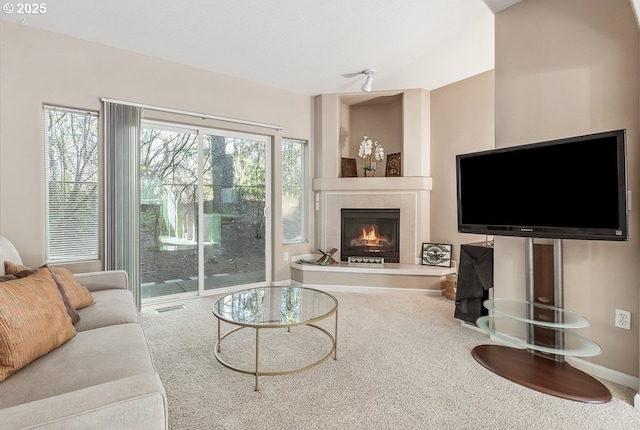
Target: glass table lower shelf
{"x": 551, "y": 340}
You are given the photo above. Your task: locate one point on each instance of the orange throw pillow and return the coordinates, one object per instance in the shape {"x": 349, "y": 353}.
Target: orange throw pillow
{"x": 75, "y": 317}
{"x": 78, "y": 295}
{"x": 33, "y": 321}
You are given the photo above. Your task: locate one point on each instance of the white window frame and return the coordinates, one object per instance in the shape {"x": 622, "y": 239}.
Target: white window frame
{"x": 303, "y": 190}
{"x": 76, "y": 251}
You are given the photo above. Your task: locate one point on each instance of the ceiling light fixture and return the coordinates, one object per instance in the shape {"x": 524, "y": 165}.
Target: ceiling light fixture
{"x": 366, "y": 87}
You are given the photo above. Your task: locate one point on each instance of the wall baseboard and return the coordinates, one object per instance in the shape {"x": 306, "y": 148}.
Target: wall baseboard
{"x": 605, "y": 373}
{"x": 284, "y": 283}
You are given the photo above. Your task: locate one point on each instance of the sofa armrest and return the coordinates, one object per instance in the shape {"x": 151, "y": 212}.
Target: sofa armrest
{"x": 136, "y": 402}
{"x": 105, "y": 280}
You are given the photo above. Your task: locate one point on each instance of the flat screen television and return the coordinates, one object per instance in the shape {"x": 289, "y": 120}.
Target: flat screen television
{"x": 571, "y": 188}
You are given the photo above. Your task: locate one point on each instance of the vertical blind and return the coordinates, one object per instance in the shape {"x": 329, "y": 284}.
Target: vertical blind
{"x": 122, "y": 176}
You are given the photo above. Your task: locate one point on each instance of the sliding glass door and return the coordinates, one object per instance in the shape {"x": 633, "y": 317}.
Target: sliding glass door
{"x": 203, "y": 211}
{"x": 168, "y": 211}
{"x": 235, "y": 209}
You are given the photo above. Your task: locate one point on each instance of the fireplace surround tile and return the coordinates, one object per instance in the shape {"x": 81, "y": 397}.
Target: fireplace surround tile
{"x": 377, "y": 201}
{"x": 407, "y": 201}
{"x": 392, "y": 201}
{"x": 347, "y": 200}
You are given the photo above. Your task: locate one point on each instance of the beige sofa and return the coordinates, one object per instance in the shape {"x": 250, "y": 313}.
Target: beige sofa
{"x": 103, "y": 378}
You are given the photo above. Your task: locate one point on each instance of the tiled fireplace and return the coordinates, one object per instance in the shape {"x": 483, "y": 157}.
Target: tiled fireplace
{"x": 400, "y": 120}
{"x": 410, "y": 206}
{"x": 370, "y": 233}
{"x": 406, "y": 199}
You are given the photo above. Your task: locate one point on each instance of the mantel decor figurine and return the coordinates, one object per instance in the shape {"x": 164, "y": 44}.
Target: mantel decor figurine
{"x": 370, "y": 151}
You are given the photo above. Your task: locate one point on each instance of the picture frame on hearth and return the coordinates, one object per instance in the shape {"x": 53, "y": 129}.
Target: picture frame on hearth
{"x": 436, "y": 254}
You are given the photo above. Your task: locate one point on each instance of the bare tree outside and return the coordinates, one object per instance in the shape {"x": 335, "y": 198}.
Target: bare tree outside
{"x": 233, "y": 190}
{"x": 233, "y": 202}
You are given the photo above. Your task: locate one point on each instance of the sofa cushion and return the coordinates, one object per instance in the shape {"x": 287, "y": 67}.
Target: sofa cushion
{"x": 91, "y": 358}
{"x": 135, "y": 402}
{"x": 78, "y": 295}
{"x": 8, "y": 252}
{"x": 71, "y": 311}
{"x": 111, "y": 307}
{"x": 33, "y": 321}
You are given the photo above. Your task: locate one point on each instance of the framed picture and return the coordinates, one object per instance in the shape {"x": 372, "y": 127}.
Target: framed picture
{"x": 436, "y": 254}
{"x": 349, "y": 168}
{"x": 393, "y": 164}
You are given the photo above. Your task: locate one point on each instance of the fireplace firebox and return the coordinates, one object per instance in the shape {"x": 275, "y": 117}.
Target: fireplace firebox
{"x": 370, "y": 233}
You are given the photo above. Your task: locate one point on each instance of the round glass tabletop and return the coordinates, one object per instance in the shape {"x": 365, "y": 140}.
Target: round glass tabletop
{"x": 275, "y": 306}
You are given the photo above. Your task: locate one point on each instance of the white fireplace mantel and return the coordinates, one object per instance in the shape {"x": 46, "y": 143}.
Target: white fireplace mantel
{"x": 404, "y": 183}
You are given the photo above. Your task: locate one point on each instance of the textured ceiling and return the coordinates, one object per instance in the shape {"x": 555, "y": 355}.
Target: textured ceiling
{"x": 304, "y": 46}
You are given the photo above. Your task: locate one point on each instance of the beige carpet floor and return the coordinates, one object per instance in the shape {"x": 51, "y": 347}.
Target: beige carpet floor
{"x": 403, "y": 362}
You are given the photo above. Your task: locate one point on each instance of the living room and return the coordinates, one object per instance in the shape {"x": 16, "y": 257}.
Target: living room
{"x": 561, "y": 69}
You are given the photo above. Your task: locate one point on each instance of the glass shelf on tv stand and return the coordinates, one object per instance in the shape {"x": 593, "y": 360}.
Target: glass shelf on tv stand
{"x": 538, "y": 314}
{"x": 548, "y": 340}
{"x": 543, "y": 337}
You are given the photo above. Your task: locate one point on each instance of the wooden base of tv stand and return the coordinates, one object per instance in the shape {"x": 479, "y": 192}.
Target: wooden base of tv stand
{"x": 528, "y": 369}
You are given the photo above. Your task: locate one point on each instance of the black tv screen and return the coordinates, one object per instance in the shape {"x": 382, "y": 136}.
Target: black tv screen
{"x": 571, "y": 188}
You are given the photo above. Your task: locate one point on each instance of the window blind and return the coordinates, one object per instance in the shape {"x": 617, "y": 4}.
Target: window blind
{"x": 72, "y": 194}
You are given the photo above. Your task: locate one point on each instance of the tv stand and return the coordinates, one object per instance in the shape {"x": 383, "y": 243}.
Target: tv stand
{"x": 541, "y": 331}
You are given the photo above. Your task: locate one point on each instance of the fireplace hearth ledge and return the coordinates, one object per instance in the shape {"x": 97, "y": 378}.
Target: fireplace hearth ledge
{"x": 389, "y": 277}
{"x": 386, "y": 268}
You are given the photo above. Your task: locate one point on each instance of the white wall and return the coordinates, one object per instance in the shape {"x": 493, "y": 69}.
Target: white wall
{"x": 567, "y": 68}
{"x": 462, "y": 120}
{"x": 39, "y": 68}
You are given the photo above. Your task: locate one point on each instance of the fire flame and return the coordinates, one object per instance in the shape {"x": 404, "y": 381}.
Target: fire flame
{"x": 370, "y": 235}
{"x": 371, "y": 240}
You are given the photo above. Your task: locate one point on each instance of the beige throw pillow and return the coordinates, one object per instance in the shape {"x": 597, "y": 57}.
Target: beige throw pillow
{"x": 33, "y": 321}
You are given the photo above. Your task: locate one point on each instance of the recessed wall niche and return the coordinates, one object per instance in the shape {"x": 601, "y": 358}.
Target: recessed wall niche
{"x": 380, "y": 117}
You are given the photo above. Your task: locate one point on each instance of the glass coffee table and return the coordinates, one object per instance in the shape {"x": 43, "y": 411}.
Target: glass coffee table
{"x": 275, "y": 308}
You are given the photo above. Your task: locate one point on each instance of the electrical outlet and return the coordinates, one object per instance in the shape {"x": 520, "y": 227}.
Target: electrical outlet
{"x": 623, "y": 319}
{"x": 286, "y": 256}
